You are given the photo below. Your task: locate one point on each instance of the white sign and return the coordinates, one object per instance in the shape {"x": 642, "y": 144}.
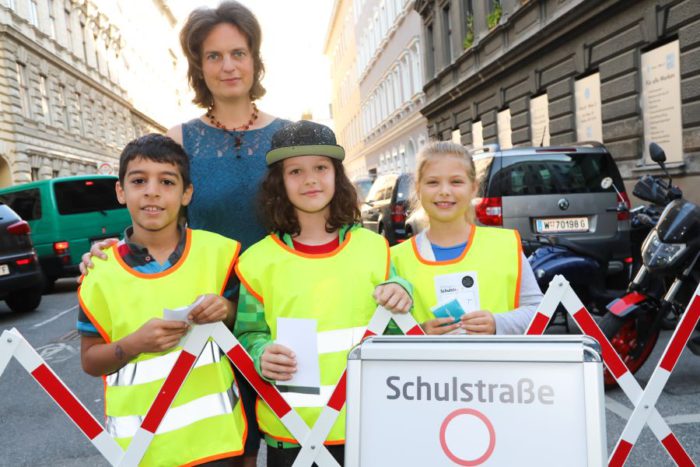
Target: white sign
{"x": 105, "y": 168}
{"x": 477, "y": 135}
{"x": 456, "y": 136}
{"x": 513, "y": 401}
{"x": 661, "y": 101}
{"x": 589, "y": 120}
{"x": 539, "y": 120}
{"x": 505, "y": 140}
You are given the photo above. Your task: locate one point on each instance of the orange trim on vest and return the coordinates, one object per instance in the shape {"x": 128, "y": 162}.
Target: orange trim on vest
{"x": 388, "y": 260}
{"x": 311, "y": 255}
{"x": 338, "y": 442}
{"x": 516, "y": 300}
{"x": 451, "y": 261}
{"x": 170, "y": 270}
{"x": 234, "y": 261}
{"x": 247, "y": 285}
{"x": 95, "y": 323}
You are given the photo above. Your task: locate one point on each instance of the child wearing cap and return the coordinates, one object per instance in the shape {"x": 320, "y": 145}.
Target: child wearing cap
{"x": 319, "y": 264}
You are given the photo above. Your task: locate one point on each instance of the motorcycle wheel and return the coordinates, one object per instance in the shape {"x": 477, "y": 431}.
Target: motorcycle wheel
{"x": 623, "y": 335}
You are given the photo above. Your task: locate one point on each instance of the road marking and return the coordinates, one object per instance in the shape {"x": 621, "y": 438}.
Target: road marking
{"x": 617, "y": 408}
{"x": 624, "y": 412}
{"x": 38, "y": 325}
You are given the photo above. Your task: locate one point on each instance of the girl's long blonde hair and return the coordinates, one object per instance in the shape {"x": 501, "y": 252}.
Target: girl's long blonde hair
{"x": 438, "y": 149}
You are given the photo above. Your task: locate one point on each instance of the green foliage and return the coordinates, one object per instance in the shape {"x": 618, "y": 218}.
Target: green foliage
{"x": 495, "y": 16}
{"x": 469, "y": 37}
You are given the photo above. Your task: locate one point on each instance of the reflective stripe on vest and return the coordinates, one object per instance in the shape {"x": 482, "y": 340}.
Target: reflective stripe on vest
{"x": 493, "y": 253}
{"x": 147, "y": 371}
{"x": 335, "y": 289}
{"x": 119, "y": 300}
{"x": 176, "y": 418}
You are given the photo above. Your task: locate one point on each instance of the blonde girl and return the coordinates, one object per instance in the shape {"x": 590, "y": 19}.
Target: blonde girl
{"x": 456, "y": 265}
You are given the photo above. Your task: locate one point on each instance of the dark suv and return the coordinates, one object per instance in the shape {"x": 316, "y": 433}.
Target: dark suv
{"x": 560, "y": 191}
{"x": 387, "y": 205}
{"x": 20, "y": 275}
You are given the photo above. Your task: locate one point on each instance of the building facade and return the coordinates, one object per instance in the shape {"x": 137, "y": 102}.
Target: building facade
{"x": 514, "y": 72}
{"x": 390, "y": 78}
{"x": 79, "y": 81}
{"x": 341, "y": 50}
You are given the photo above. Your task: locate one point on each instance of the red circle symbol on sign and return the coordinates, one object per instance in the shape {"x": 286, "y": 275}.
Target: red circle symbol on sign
{"x": 487, "y": 424}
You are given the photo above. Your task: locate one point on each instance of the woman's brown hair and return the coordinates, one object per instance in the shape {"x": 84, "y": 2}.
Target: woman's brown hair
{"x": 279, "y": 214}
{"x": 195, "y": 31}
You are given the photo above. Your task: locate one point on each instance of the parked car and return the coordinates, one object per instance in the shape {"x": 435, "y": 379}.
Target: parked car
{"x": 20, "y": 275}
{"x": 362, "y": 186}
{"x": 387, "y": 205}
{"x": 416, "y": 222}
{"x": 66, "y": 216}
{"x": 559, "y": 191}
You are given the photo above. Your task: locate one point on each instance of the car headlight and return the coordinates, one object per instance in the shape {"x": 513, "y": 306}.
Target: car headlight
{"x": 656, "y": 253}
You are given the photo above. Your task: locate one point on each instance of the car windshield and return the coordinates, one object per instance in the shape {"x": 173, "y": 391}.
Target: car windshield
{"x": 545, "y": 174}
{"x": 362, "y": 187}
{"x": 80, "y": 196}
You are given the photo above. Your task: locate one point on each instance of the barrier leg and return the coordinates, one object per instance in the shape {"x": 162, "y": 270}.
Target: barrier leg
{"x": 8, "y": 345}
{"x": 62, "y": 396}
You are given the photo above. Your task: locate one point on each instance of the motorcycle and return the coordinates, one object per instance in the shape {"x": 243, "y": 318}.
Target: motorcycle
{"x": 670, "y": 252}
{"x": 596, "y": 278}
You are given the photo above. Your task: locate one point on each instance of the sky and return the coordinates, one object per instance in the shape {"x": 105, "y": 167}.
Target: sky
{"x": 297, "y": 74}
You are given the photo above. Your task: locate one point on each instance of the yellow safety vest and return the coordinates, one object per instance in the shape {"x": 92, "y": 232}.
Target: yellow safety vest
{"x": 335, "y": 289}
{"x": 202, "y": 424}
{"x": 493, "y": 253}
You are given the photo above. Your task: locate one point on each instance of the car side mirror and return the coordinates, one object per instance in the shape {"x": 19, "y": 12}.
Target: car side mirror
{"x": 657, "y": 154}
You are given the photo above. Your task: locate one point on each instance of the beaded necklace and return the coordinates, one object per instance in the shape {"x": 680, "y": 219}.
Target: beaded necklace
{"x": 236, "y": 132}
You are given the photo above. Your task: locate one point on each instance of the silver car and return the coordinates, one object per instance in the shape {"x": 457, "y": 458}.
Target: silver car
{"x": 573, "y": 191}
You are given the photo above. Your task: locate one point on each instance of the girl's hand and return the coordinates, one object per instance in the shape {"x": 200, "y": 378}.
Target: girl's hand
{"x": 478, "y": 322}
{"x": 212, "y": 309}
{"x": 95, "y": 250}
{"x": 393, "y": 297}
{"x": 439, "y": 326}
{"x": 278, "y": 363}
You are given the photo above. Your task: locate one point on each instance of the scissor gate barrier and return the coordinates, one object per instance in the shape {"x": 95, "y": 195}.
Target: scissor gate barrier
{"x": 12, "y": 344}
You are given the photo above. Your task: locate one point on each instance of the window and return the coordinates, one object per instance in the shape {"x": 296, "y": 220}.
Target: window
{"x": 45, "y": 109}
{"x": 82, "y": 38}
{"x": 62, "y": 107}
{"x": 26, "y": 203}
{"x": 52, "y": 20}
{"x": 13, "y": 5}
{"x": 54, "y": 174}
{"x": 69, "y": 30}
{"x": 35, "y": 173}
{"x": 447, "y": 35}
{"x": 21, "y": 70}
{"x": 79, "y": 112}
{"x": 430, "y": 49}
{"x": 33, "y": 13}
{"x": 81, "y": 196}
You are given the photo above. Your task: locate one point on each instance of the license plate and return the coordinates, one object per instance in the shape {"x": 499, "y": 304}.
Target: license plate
{"x": 4, "y": 269}
{"x": 563, "y": 224}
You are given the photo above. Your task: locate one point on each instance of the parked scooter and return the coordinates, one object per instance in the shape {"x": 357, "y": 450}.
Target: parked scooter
{"x": 670, "y": 252}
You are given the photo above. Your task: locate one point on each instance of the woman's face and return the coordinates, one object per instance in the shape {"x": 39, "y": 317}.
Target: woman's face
{"x": 227, "y": 63}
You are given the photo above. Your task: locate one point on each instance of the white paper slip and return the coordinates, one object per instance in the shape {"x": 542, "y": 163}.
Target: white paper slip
{"x": 180, "y": 314}
{"x": 460, "y": 286}
{"x": 299, "y": 335}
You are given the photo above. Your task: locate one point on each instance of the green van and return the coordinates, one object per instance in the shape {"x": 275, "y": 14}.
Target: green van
{"x": 66, "y": 215}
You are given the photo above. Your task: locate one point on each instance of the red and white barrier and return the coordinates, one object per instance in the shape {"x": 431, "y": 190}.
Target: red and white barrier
{"x": 12, "y": 344}
{"x": 644, "y": 400}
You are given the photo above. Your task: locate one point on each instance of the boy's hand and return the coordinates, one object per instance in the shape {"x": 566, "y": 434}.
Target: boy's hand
{"x": 278, "y": 363}
{"x": 478, "y": 322}
{"x": 393, "y": 297}
{"x": 440, "y": 326}
{"x": 95, "y": 250}
{"x": 157, "y": 335}
{"x": 213, "y": 308}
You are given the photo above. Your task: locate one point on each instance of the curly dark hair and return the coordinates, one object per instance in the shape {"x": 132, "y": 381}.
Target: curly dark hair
{"x": 195, "y": 31}
{"x": 279, "y": 214}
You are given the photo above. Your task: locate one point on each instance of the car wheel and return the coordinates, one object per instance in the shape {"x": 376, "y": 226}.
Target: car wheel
{"x": 24, "y": 300}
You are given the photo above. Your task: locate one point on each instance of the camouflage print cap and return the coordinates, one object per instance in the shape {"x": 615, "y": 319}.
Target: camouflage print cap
{"x": 304, "y": 138}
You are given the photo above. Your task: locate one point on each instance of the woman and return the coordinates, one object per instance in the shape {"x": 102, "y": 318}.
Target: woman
{"x": 228, "y": 143}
